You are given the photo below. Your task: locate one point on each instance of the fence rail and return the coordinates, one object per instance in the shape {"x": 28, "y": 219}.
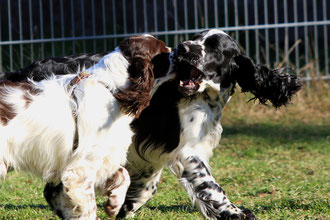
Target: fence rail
{"x": 276, "y": 32}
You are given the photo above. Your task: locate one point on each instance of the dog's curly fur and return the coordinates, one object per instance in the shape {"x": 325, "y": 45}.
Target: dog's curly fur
{"x": 276, "y": 86}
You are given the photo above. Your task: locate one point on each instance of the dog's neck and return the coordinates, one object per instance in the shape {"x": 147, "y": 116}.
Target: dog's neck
{"x": 111, "y": 70}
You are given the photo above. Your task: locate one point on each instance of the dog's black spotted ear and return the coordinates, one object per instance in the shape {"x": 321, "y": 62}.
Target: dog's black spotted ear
{"x": 274, "y": 85}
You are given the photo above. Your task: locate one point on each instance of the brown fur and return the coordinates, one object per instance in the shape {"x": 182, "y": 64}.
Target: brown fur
{"x": 118, "y": 180}
{"x": 7, "y": 111}
{"x": 139, "y": 51}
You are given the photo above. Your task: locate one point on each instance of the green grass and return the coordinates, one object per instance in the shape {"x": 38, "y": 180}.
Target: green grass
{"x": 274, "y": 162}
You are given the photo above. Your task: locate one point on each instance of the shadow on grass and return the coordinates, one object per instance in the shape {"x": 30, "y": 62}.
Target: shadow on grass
{"x": 15, "y": 207}
{"x": 278, "y": 132}
{"x": 173, "y": 208}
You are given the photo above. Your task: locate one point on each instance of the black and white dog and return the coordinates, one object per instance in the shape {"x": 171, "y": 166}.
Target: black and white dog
{"x": 182, "y": 126}
{"x": 75, "y": 129}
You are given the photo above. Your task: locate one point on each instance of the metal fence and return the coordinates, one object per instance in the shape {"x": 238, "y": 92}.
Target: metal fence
{"x": 275, "y": 32}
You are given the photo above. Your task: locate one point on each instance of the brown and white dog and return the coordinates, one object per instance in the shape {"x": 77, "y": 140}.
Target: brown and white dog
{"x": 75, "y": 129}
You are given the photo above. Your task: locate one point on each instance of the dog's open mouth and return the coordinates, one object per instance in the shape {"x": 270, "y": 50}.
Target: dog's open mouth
{"x": 189, "y": 76}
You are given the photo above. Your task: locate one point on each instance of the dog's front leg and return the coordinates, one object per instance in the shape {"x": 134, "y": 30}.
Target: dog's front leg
{"x": 74, "y": 198}
{"x": 3, "y": 169}
{"x": 116, "y": 189}
{"x": 78, "y": 194}
{"x": 195, "y": 176}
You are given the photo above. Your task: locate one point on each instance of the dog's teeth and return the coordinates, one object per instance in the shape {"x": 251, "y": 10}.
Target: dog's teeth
{"x": 181, "y": 83}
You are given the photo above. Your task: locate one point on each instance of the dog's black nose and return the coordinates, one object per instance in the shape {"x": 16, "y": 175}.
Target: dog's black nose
{"x": 183, "y": 48}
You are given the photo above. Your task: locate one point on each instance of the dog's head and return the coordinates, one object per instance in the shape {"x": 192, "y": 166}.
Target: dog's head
{"x": 149, "y": 67}
{"x": 213, "y": 57}
{"x": 209, "y": 56}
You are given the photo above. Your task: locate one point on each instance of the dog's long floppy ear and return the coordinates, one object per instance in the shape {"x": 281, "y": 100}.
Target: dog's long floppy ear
{"x": 136, "y": 96}
{"x": 274, "y": 85}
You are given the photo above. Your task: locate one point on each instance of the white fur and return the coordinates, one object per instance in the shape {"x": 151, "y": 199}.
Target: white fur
{"x": 201, "y": 126}
{"x": 40, "y": 139}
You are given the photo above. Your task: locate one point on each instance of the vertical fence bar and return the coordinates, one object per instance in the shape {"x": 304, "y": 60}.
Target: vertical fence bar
{"x": 41, "y": 29}
{"x": 277, "y": 53}
{"x": 94, "y": 28}
{"x": 266, "y": 31}
{"x": 175, "y": 6}
{"x": 316, "y": 41}
{"x": 226, "y": 13}
{"x": 10, "y": 37}
{"x": 104, "y": 26}
{"x": 165, "y": 21}
{"x": 20, "y": 32}
{"x": 295, "y": 14}
{"x": 83, "y": 23}
{"x": 125, "y": 16}
{"x": 325, "y": 34}
{"x": 72, "y": 27}
{"x": 206, "y": 15}
{"x": 134, "y": 16}
{"x": 195, "y": 14}
{"x": 62, "y": 25}
{"x": 31, "y": 31}
{"x": 216, "y": 22}
{"x": 185, "y": 18}
{"x": 246, "y": 22}
{"x": 114, "y": 22}
{"x": 145, "y": 18}
{"x": 52, "y": 25}
{"x": 286, "y": 32}
{"x": 256, "y": 22}
{"x": 306, "y": 43}
{"x": 155, "y": 16}
{"x": 236, "y": 19}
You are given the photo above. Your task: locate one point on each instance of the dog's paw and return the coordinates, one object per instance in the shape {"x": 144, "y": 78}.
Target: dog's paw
{"x": 112, "y": 206}
{"x": 249, "y": 214}
{"x": 246, "y": 214}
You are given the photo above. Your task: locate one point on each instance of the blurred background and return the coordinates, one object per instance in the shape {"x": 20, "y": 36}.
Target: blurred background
{"x": 274, "y": 32}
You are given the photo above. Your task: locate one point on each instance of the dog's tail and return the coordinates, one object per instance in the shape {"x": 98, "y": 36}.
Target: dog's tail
{"x": 274, "y": 85}
{"x": 17, "y": 76}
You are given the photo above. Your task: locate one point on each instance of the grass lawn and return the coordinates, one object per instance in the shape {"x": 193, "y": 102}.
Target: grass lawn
{"x": 274, "y": 162}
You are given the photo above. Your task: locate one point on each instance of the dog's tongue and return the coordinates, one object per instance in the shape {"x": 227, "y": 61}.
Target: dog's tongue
{"x": 187, "y": 83}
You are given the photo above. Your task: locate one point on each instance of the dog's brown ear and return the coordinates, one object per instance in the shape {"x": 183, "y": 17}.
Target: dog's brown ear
{"x": 139, "y": 51}
{"x": 136, "y": 96}
{"x": 274, "y": 85}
